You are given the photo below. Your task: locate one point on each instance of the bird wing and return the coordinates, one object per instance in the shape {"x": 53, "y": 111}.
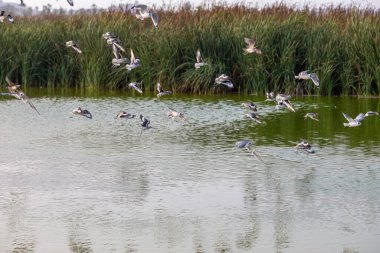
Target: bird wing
{"x": 159, "y": 88}
{"x": 10, "y": 83}
{"x": 70, "y": 2}
{"x": 26, "y": 100}
{"x": 154, "y": 18}
{"x": 141, "y": 7}
{"x": 118, "y": 46}
{"x": 348, "y": 118}
{"x": 76, "y": 48}
{"x": 132, "y": 56}
{"x": 315, "y": 79}
{"x": 287, "y": 103}
{"x": 360, "y": 117}
{"x": 198, "y": 56}
{"x": 136, "y": 87}
{"x": 249, "y": 41}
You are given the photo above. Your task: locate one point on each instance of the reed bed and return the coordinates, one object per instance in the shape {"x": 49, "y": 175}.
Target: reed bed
{"x": 340, "y": 44}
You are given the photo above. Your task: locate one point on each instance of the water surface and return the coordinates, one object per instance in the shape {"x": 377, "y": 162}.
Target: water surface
{"x": 70, "y": 184}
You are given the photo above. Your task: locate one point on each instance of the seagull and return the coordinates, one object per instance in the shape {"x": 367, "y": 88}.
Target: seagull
{"x": 174, "y": 114}
{"x": 200, "y": 61}
{"x": 136, "y": 86}
{"x": 143, "y": 12}
{"x": 134, "y": 63}
{"x": 305, "y": 75}
{"x": 118, "y": 59}
{"x": 145, "y": 123}
{"x": 357, "y": 121}
{"x": 9, "y": 17}
{"x": 73, "y": 45}
{"x": 124, "y": 114}
{"x": 71, "y": 2}
{"x": 251, "y": 47}
{"x": 253, "y": 116}
{"x": 15, "y": 91}
{"x": 305, "y": 146}
{"x": 22, "y": 3}
{"x": 248, "y": 145}
{"x": 270, "y": 96}
{"x": 283, "y": 100}
{"x": 80, "y": 111}
{"x": 250, "y": 106}
{"x": 161, "y": 92}
{"x": 224, "y": 80}
{"x": 311, "y": 115}
{"x": 115, "y": 42}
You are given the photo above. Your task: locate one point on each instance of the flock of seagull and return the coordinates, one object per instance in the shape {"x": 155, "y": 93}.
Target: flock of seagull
{"x": 142, "y": 12}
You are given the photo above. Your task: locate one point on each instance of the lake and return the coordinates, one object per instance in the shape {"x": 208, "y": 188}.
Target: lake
{"x": 72, "y": 184}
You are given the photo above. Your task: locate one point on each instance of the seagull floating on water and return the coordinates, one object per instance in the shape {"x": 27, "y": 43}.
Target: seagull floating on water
{"x": 161, "y": 92}
{"x": 224, "y": 80}
{"x": 124, "y": 114}
{"x": 134, "y": 62}
{"x": 82, "y": 112}
{"x": 136, "y": 86}
{"x": 305, "y": 75}
{"x": 357, "y": 121}
{"x": 200, "y": 62}
{"x": 145, "y": 123}
{"x": 143, "y": 12}
{"x": 251, "y": 47}
{"x": 312, "y": 115}
{"x": 304, "y": 146}
{"x": 73, "y": 45}
{"x": 174, "y": 114}
{"x": 15, "y": 91}
{"x": 248, "y": 145}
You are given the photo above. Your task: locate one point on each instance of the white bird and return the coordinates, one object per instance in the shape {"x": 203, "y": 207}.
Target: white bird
{"x": 283, "y": 100}
{"x": 73, "y": 45}
{"x": 312, "y": 115}
{"x": 82, "y": 112}
{"x": 134, "y": 62}
{"x": 136, "y": 86}
{"x": 251, "y": 47}
{"x": 224, "y": 80}
{"x": 145, "y": 123}
{"x": 250, "y": 105}
{"x": 200, "y": 62}
{"x": 161, "y": 92}
{"x": 270, "y": 96}
{"x": 124, "y": 114}
{"x": 357, "y": 121}
{"x": 305, "y": 75}
{"x": 304, "y": 146}
{"x": 174, "y": 114}
{"x": 248, "y": 145}
{"x": 253, "y": 116}
{"x": 142, "y": 12}
{"x": 3, "y": 17}
{"x": 15, "y": 91}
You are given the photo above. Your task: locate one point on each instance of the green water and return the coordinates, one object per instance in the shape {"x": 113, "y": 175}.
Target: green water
{"x": 70, "y": 184}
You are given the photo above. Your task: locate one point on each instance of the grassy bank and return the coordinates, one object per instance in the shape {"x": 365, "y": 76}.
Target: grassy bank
{"x": 342, "y": 45}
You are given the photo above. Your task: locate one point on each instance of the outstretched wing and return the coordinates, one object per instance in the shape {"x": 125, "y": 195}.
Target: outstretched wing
{"x": 26, "y": 100}
{"x": 198, "y": 55}
{"x": 348, "y": 118}
{"x": 315, "y": 79}
{"x": 249, "y": 41}
{"x": 132, "y": 56}
{"x": 154, "y": 18}
{"x": 360, "y": 117}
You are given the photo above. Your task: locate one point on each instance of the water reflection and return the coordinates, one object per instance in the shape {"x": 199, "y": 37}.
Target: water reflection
{"x": 99, "y": 186}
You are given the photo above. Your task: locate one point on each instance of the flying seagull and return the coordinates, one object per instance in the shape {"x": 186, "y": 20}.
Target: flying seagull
{"x": 143, "y": 12}
{"x": 304, "y": 146}
{"x": 305, "y": 75}
{"x": 73, "y": 45}
{"x": 248, "y": 145}
{"x": 357, "y": 121}
{"x": 251, "y": 47}
{"x": 15, "y": 91}
{"x": 161, "y": 92}
{"x": 311, "y": 115}
{"x": 136, "y": 86}
{"x": 200, "y": 62}
{"x": 224, "y": 80}
{"x": 82, "y": 112}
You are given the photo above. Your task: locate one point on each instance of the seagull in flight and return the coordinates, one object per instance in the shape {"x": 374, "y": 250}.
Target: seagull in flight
{"x": 161, "y": 92}
{"x": 200, "y": 62}
{"x": 74, "y": 46}
{"x": 304, "y": 146}
{"x": 124, "y": 114}
{"x": 224, "y": 80}
{"x": 312, "y": 115}
{"x": 283, "y": 100}
{"x": 134, "y": 62}
{"x": 142, "y": 12}
{"x": 248, "y": 145}
{"x": 251, "y": 47}
{"x": 15, "y": 91}
{"x": 357, "y": 121}
{"x": 82, "y": 112}
{"x": 136, "y": 86}
{"x": 305, "y": 75}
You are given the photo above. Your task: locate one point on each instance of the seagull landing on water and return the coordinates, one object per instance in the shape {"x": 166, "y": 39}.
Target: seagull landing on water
{"x": 224, "y": 80}
{"x": 73, "y": 45}
{"x": 82, "y": 112}
{"x": 312, "y": 115}
{"x": 248, "y": 145}
{"x": 123, "y": 114}
{"x": 253, "y": 116}
{"x": 251, "y": 106}
{"x": 305, "y": 75}
{"x": 357, "y": 121}
{"x": 251, "y": 47}
{"x": 134, "y": 62}
{"x": 136, "y": 86}
{"x": 161, "y": 92}
{"x": 15, "y": 91}
{"x": 200, "y": 62}
{"x": 283, "y": 101}
{"x": 143, "y": 12}
{"x": 304, "y": 146}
